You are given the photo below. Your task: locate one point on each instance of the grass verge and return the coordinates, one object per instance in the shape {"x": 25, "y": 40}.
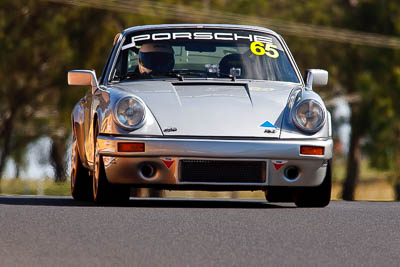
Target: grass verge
{"x": 34, "y": 187}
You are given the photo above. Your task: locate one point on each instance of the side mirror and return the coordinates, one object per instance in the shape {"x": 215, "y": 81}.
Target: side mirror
{"x": 316, "y": 77}
{"x": 83, "y": 77}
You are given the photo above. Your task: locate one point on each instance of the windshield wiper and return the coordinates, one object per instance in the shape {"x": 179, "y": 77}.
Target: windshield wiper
{"x": 170, "y": 74}
{"x": 127, "y": 76}
{"x": 135, "y": 75}
{"x": 188, "y": 72}
{"x": 175, "y": 74}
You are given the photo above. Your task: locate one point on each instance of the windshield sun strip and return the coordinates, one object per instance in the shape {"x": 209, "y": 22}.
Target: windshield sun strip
{"x": 277, "y": 38}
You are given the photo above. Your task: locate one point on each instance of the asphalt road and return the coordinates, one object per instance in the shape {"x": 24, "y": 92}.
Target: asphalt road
{"x": 39, "y": 231}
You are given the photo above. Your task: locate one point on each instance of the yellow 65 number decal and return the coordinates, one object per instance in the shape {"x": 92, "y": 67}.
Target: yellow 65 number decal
{"x": 257, "y": 48}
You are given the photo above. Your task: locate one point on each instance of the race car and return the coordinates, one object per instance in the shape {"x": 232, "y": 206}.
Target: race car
{"x": 201, "y": 107}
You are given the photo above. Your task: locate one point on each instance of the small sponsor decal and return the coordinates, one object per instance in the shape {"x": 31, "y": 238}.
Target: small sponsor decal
{"x": 267, "y": 124}
{"x": 270, "y": 130}
{"x": 269, "y": 127}
{"x": 170, "y": 129}
{"x": 168, "y": 162}
{"x": 279, "y": 164}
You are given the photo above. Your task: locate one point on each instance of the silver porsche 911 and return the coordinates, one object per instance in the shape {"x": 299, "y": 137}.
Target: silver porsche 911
{"x": 201, "y": 107}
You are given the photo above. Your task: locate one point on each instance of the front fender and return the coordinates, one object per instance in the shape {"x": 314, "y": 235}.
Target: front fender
{"x": 78, "y": 117}
{"x": 289, "y": 129}
{"x": 108, "y": 123}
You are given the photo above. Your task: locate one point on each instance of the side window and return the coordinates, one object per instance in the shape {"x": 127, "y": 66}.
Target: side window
{"x": 118, "y": 69}
{"x": 132, "y": 61}
{"x": 127, "y": 62}
{"x": 102, "y": 77}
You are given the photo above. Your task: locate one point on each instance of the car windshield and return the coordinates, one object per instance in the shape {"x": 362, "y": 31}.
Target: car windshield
{"x": 203, "y": 53}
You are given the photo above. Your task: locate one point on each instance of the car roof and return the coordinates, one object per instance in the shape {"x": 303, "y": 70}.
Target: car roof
{"x": 200, "y": 26}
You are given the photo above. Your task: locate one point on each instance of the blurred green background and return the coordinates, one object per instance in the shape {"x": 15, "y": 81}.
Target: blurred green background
{"x": 357, "y": 41}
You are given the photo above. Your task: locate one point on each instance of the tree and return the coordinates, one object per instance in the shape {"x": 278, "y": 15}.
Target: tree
{"x": 39, "y": 42}
{"x": 376, "y": 116}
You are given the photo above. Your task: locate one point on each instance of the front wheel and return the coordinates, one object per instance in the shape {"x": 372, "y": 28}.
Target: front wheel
{"x": 81, "y": 182}
{"x": 103, "y": 191}
{"x": 279, "y": 195}
{"x": 318, "y": 196}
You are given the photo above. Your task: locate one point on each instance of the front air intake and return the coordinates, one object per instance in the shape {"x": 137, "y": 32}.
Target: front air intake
{"x": 222, "y": 171}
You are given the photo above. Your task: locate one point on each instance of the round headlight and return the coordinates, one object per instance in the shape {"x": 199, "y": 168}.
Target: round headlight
{"x": 309, "y": 116}
{"x": 130, "y": 113}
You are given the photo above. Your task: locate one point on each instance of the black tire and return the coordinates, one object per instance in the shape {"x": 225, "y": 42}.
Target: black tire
{"x": 318, "y": 196}
{"x": 103, "y": 192}
{"x": 81, "y": 181}
{"x": 279, "y": 195}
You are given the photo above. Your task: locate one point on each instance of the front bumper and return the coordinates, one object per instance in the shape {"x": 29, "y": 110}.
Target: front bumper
{"x": 164, "y": 154}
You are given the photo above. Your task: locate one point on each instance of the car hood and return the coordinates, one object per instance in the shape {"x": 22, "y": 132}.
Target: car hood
{"x": 221, "y": 109}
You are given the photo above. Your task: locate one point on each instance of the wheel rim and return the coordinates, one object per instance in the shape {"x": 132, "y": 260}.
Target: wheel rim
{"x": 74, "y": 163}
{"x": 96, "y": 170}
{"x": 95, "y": 177}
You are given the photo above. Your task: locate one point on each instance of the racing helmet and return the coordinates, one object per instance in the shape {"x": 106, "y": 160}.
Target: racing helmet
{"x": 156, "y": 57}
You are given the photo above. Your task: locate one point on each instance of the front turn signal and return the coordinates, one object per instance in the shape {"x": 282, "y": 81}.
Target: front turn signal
{"x": 130, "y": 147}
{"x": 312, "y": 150}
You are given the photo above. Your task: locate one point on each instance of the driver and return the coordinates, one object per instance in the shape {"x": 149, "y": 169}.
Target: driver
{"x": 156, "y": 58}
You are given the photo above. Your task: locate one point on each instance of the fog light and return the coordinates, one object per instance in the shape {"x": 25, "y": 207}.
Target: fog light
{"x": 291, "y": 172}
{"x": 130, "y": 147}
{"x": 312, "y": 150}
{"x": 148, "y": 170}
